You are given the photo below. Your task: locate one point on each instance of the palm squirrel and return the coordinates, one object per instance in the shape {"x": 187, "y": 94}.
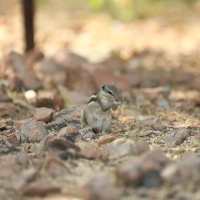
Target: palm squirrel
{"x": 97, "y": 113}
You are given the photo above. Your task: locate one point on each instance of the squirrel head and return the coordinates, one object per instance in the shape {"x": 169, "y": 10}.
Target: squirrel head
{"x": 109, "y": 97}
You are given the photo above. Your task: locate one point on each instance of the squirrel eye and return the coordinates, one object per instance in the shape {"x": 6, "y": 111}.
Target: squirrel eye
{"x": 110, "y": 92}
{"x": 106, "y": 89}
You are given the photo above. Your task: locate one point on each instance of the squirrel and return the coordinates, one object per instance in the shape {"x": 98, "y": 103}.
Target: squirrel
{"x": 97, "y": 113}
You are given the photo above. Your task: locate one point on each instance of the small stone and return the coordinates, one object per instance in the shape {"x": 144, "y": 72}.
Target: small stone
{"x": 43, "y": 114}
{"x": 101, "y": 187}
{"x": 40, "y": 189}
{"x": 4, "y": 97}
{"x": 26, "y": 177}
{"x": 130, "y": 172}
{"x": 25, "y": 73}
{"x": 32, "y": 131}
{"x": 8, "y": 109}
{"x": 49, "y": 99}
{"x": 22, "y": 159}
{"x": 156, "y": 159}
{"x": 123, "y": 147}
{"x": 140, "y": 148}
{"x": 7, "y": 146}
{"x": 5, "y": 124}
{"x": 106, "y": 139}
{"x": 59, "y": 143}
{"x": 144, "y": 170}
{"x": 184, "y": 172}
{"x": 195, "y": 140}
{"x": 177, "y": 137}
{"x": 13, "y": 138}
{"x": 69, "y": 133}
{"x": 62, "y": 147}
{"x": 169, "y": 172}
{"x": 30, "y": 96}
{"x": 90, "y": 150}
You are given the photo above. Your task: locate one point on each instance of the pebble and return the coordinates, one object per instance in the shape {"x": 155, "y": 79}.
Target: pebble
{"x": 32, "y": 131}
{"x": 123, "y": 147}
{"x": 62, "y": 147}
{"x": 185, "y": 171}
{"x": 177, "y": 137}
{"x": 101, "y": 187}
{"x": 90, "y": 150}
{"x": 106, "y": 139}
{"x": 69, "y": 132}
{"x": 144, "y": 170}
{"x": 43, "y": 114}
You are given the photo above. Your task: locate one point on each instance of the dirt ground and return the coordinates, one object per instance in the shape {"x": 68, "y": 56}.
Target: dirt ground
{"x": 153, "y": 149}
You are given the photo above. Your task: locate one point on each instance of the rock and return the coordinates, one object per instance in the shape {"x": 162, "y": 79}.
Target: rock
{"x": 195, "y": 140}
{"x": 22, "y": 159}
{"x": 62, "y": 147}
{"x": 22, "y": 72}
{"x": 68, "y": 58}
{"x": 177, "y": 137}
{"x": 9, "y": 142}
{"x": 13, "y": 138}
{"x": 69, "y": 132}
{"x": 70, "y": 73}
{"x": 9, "y": 137}
{"x": 185, "y": 171}
{"x": 101, "y": 187}
{"x": 43, "y": 114}
{"x": 66, "y": 117}
{"x": 155, "y": 158}
{"x": 51, "y": 71}
{"x": 8, "y": 110}
{"x": 80, "y": 79}
{"x": 40, "y": 189}
{"x": 90, "y": 150}
{"x": 144, "y": 170}
{"x": 32, "y": 131}
{"x": 108, "y": 75}
{"x": 3, "y": 95}
{"x": 123, "y": 147}
{"x": 26, "y": 177}
{"x": 60, "y": 143}
{"x": 5, "y": 124}
{"x": 50, "y": 99}
{"x": 106, "y": 139}
{"x": 183, "y": 195}
{"x": 151, "y": 122}
{"x": 31, "y": 96}
{"x": 140, "y": 147}
{"x": 130, "y": 172}
{"x": 9, "y": 167}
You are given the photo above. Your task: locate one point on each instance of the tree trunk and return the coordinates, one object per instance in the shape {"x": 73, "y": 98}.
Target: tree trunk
{"x": 28, "y": 9}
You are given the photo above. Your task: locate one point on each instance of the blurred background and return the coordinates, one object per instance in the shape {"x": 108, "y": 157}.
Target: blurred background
{"x": 94, "y": 28}
{"x": 149, "y": 49}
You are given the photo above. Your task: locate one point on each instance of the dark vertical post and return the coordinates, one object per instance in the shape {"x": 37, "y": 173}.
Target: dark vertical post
{"x": 28, "y": 9}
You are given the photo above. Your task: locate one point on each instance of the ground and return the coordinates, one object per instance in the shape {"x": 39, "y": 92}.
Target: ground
{"x": 152, "y": 151}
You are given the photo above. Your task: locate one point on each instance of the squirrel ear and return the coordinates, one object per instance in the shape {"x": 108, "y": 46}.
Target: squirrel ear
{"x": 103, "y": 87}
